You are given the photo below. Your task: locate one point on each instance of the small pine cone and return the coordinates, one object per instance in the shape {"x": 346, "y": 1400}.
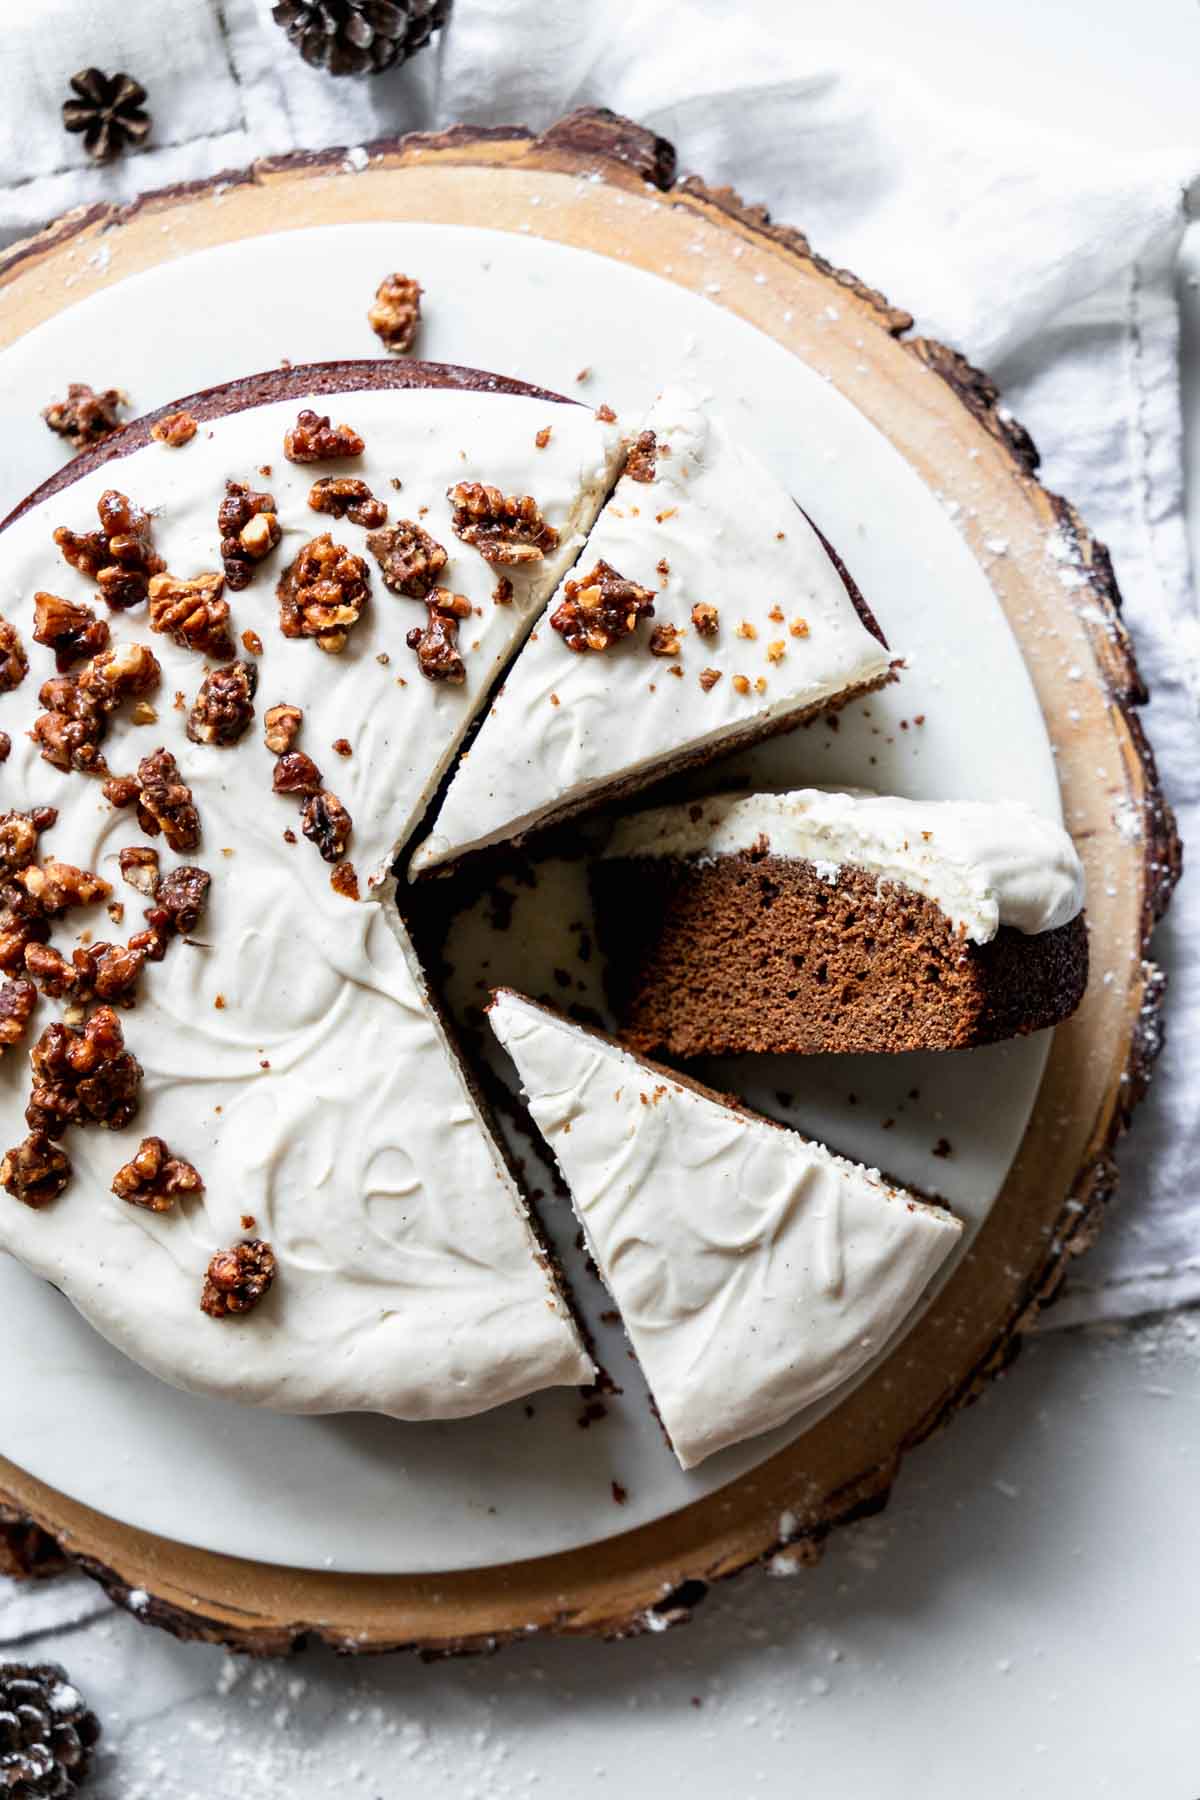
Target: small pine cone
{"x": 359, "y": 37}
{"x": 47, "y": 1734}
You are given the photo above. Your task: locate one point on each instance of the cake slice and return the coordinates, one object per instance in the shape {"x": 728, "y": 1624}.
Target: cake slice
{"x": 754, "y": 1271}
{"x": 705, "y": 612}
{"x": 820, "y": 921}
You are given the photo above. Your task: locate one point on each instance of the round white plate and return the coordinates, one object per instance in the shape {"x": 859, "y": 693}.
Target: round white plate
{"x": 371, "y": 1494}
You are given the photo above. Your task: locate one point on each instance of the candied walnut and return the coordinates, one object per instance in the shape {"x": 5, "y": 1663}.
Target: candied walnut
{"x": 326, "y": 823}
{"x": 252, "y": 643}
{"x": 120, "y": 557}
{"x": 22, "y": 922}
{"x": 397, "y": 312}
{"x": 502, "y": 593}
{"x": 85, "y": 416}
{"x": 343, "y": 747}
{"x": 709, "y": 679}
{"x": 237, "y": 1279}
{"x": 504, "y": 528}
{"x": 664, "y": 640}
{"x": 322, "y": 593}
{"x": 120, "y": 790}
{"x": 344, "y": 881}
{"x": 83, "y": 1078}
{"x": 57, "y": 886}
{"x": 705, "y": 619}
{"x": 223, "y": 710}
{"x": 249, "y": 531}
{"x": 107, "y": 972}
{"x": 313, "y": 439}
{"x": 50, "y": 969}
{"x": 165, "y": 802}
{"x": 605, "y": 413}
{"x": 153, "y": 1178}
{"x": 346, "y": 497}
{"x": 14, "y": 664}
{"x": 281, "y": 727}
{"x": 436, "y": 643}
{"x": 18, "y": 998}
{"x": 296, "y": 773}
{"x": 599, "y": 609}
{"x": 5, "y": 746}
{"x": 123, "y": 672}
{"x": 19, "y": 833}
{"x": 71, "y": 730}
{"x": 192, "y": 613}
{"x": 175, "y": 430}
{"x": 35, "y": 1171}
{"x": 409, "y": 559}
{"x": 641, "y": 462}
{"x": 181, "y": 898}
{"x": 73, "y": 632}
{"x": 139, "y": 867}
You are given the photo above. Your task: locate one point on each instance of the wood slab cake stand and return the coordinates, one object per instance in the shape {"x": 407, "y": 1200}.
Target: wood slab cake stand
{"x": 942, "y": 417}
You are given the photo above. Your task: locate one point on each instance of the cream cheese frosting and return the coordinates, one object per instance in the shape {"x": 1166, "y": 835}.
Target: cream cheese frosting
{"x": 290, "y": 1051}
{"x": 714, "y": 526}
{"x": 984, "y": 864}
{"x": 754, "y": 1270}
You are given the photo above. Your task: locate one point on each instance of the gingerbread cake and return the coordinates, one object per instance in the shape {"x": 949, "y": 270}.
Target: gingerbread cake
{"x": 705, "y": 613}
{"x": 754, "y": 1270}
{"x": 818, "y": 921}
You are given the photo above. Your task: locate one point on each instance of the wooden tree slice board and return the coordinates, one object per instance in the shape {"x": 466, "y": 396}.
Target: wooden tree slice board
{"x": 942, "y": 416}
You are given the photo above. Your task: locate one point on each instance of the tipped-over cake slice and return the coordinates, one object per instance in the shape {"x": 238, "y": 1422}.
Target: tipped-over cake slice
{"x": 705, "y": 612}
{"x": 754, "y": 1270}
{"x": 817, "y": 921}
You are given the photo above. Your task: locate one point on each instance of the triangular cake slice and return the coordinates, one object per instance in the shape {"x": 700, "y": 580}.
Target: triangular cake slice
{"x": 755, "y": 627}
{"x": 754, "y": 1270}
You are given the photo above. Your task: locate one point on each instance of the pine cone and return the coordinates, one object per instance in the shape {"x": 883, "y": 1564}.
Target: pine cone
{"x": 109, "y": 112}
{"x": 359, "y": 37}
{"x": 47, "y": 1733}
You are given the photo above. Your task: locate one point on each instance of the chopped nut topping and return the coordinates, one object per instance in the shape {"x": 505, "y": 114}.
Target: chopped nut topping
{"x": 502, "y": 593}
{"x": 5, "y": 746}
{"x": 85, "y": 417}
{"x": 107, "y": 972}
{"x": 73, "y": 632}
{"x": 72, "y": 728}
{"x": 343, "y": 747}
{"x": 344, "y": 881}
{"x": 436, "y": 643}
{"x": 409, "y": 559}
{"x": 83, "y": 1078}
{"x": 139, "y": 867}
{"x": 237, "y": 1279}
{"x": 252, "y": 644}
{"x": 322, "y": 593}
{"x": 120, "y": 557}
{"x": 313, "y": 439}
{"x": 745, "y": 629}
{"x": 154, "y": 1179}
{"x": 14, "y": 664}
{"x": 662, "y": 567}
{"x": 326, "y": 823}
{"x": 346, "y": 497}
{"x": 542, "y": 438}
{"x": 22, "y": 922}
{"x": 56, "y": 886}
{"x": 223, "y": 710}
{"x": 741, "y": 684}
{"x": 605, "y": 413}
{"x": 397, "y": 312}
{"x": 641, "y": 462}
{"x": 776, "y": 615}
{"x": 17, "y": 1001}
{"x": 664, "y": 640}
{"x": 192, "y": 613}
{"x": 19, "y": 833}
{"x": 249, "y": 531}
{"x": 799, "y": 628}
{"x": 599, "y": 609}
{"x": 706, "y": 619}
{"x": 776, "y": 650}
{"x": 709, "y": 679}
{"x": 165, "y": 802}
{"x": 281, "y": 727}
{"x": 504, "y": 528}
{"x": 760, "y": 684}
{"x": 35, "y": 1170}
{"x": 181, "y": 898}
{"x": 122, "y": 672}
{"x": 120, "y": 790}
{"x": 175, "y": 430}
{"x": 296, "y": 773}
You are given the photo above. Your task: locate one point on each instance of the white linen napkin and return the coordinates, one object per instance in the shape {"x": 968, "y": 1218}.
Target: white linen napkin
{"x": 1049, "y": 263}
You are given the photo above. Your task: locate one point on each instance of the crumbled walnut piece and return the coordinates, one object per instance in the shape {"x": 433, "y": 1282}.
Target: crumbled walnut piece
{"x": 22, "y": 922}
{"x": 326, "y": 823}
{"x": 504, "y": 528}
{"x": 181, "y": 898}
{"x": 709, "y": 679}
{"x": 542, "y": 438}
{"x": 165, "y": 802}
{"x": 746, "y": 629}
{"x": 642, "y": 460}
{"x": 346, "y": 497}
{"x": 120, "y": 557}
{"x": 281, "y": 727}
{"x": 706, "y": 619}
{"x": 396, "y": 312}
{"x": 436, "y": 642}
{"x": 18, "y": 998}
{"x": 760, "y": 684}
{"x": 5, "y": 746}
{"x": 776, "y": 650}
{"x": 57, "y": 886}
{"x": 19, "y": 833}
{"x": 662, "y": 567}
{"x": 322, "y": 593}
{"x": 35, "y": 1171}
{"x": 741, "y": 684}
{"x": 599, "y": 609}
{"x": 249, "y": 531}
{"x": 72, "y": 727}
{"x": 153, "y": 1178}
{"x": 14, "y": 664}
{"x": 664, "y": 640}
{"x": 502, "y": 593}
{"x": 343, "y": 747}
{"x": 73, "y": 632}
{"x": 85, "y": 416}
{"x": 192, "y": 613}
{"x": 409, "y": 559}
{"x": 605, "y": 413}
{"x": 120, "y": 790}
{"x": 122, "y": 672}
{"x": 83, "y": 1078}
{"x": 252, "y": 644}
{"x": 313, "y": 439}
{"x": 175, "y": 430}
{"x": 776, "y": 615}
{"x": 107, "y": 972}
{"x": 799, "y": 628}
{"x": 296, "y": 773}
{"x": 344, "y": 881}
{"x": 223, "y": 710}
{"x": 139, "y": 867}
{"x": 237, "y": 1279}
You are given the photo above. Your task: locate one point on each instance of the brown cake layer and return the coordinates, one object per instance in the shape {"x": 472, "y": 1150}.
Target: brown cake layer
{"x": 755, "y": 952}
